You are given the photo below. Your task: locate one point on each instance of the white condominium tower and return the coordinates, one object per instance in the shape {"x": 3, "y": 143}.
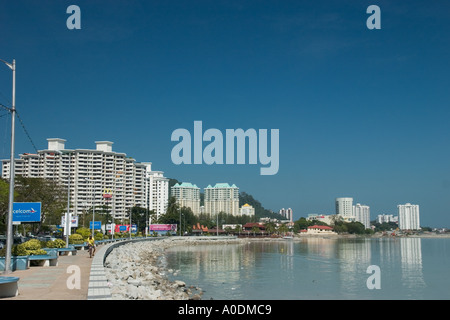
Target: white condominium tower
{"x": 381, "y": 218}
{"x": 156, "y": 190}
{"x": 344, "y": 208}
{"x": 362, "y": 214}
{"x": 187, "y": 195}
{"x": 222, "y": 198}
{"x": 96, "y": 177}
{"x": 408, "y": 216}
{"x": 287, "y": 213}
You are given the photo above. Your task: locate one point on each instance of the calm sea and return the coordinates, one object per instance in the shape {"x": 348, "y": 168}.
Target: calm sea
{"x": 316, "y": 268}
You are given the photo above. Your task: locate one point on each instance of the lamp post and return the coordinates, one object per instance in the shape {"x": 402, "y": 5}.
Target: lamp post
{"x": 179, "y": 209}
{"x": 9, "y": 232}
{"x": 130, "y": 222}
{"x": 68, "y": 217}
{"x": 93, "y": 206}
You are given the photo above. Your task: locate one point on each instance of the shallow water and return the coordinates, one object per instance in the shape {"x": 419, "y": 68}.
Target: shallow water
{"x": 316, "y": 268}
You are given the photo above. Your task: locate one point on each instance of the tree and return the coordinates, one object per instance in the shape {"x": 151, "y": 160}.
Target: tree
{"x": 4, "y": 201}
{"x": 139, "y": 218}
{"x": 172, "y": 215}
{"x": 255, "y": 229}
{"x": 50, "y": 193}
{"x": 270, "y": 227}
{"x": 301, "y": 224}
{"x": 355, "y": 227}
{"x": 283, "y": 229}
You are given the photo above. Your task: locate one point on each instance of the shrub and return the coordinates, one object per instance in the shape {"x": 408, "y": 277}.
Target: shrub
{"x": 31, "y": 247}
{"x": 32, "y": 244}
{"x": 98, "y": 236}
{"x": 76, "y": 239}
{"x": 58, "y": 243}
{"x": 84, "y": 232}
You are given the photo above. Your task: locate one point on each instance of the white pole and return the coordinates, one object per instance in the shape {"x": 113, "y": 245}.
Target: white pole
{"x": 68, "y": 217}
{"x": 93, "y": 208}
{"x": 9, "y": 233}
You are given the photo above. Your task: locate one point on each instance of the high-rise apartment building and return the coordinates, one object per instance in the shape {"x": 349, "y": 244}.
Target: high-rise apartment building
{"x": 222, "y": 198}
{"x": 97, "y": 177}
{"x": 156, "y": 190}
{"x": 362, "y": 214}
{"x": 187, "y": 195}
{"x": 287, "y": 213}
{"x": 408, "y": 216}
{"x": 344, "y": 208}
{"x": 381, "y": 218}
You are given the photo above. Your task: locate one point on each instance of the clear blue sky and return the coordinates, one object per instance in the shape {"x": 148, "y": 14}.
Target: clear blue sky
{"x": 361, "y": 113}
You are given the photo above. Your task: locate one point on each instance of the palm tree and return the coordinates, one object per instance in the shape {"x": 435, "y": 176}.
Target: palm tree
{"x": 254, "y": 230}
{"x": 270, "y": 227}
{"x": 283, "y": 229}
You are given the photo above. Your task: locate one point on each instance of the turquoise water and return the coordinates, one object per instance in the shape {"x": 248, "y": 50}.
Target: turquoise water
{"x": 314, "y": 268}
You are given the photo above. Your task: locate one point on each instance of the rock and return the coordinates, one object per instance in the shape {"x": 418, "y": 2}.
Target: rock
{"x": 138, "y": 271}
{"x": 179, "y": 283}
{"x": 132, "y": 292}
{"x": 134, "y": 282}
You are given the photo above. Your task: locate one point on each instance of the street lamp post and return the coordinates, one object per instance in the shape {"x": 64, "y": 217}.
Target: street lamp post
{"x": 68, "y": 217}
{"x": 179, "y": 209}
{"x": 130, "y": 222}
{"x": 93, "y": 205}
{"x": 9, "y": 232}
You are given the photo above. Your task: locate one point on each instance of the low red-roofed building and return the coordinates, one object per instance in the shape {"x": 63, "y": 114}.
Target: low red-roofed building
{"x": 319, "y": 229}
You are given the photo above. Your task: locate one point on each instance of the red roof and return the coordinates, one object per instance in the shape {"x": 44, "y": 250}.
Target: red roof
{"x": 320, "y": 227}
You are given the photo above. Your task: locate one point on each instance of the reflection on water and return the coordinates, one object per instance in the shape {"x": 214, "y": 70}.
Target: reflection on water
{"x": 411, "y": 262}
{"x": 310, "y": 268}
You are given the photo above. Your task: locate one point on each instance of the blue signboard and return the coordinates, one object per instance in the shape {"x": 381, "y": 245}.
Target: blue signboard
{"x": 26, "y": 212}
{"x": 97, "y": 225}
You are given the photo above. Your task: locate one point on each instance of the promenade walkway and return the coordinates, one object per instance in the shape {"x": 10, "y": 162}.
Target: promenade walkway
{"x": 50, "y": 283}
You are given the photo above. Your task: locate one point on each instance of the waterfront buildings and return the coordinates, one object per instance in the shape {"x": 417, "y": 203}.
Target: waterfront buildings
{"x": 247, "y": 210}
{"x": 319, "y": 230}
{"x": 344, "y": 209}
{"x": 287, "y": 213}
{"x": 97, "y": 177}
{"x": 222, "y": 198}
{"x": 362, "y": 214}
{"x": 408, "y": 216}
{"x": 381, "y": 218}
{"x": 156, "y": 190}
{"x": 349, "y": 212}
{"x": 187, "y": 195}
{"x": 328, "y": 219}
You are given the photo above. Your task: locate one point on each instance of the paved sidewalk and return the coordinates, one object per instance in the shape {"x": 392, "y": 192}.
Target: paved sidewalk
{"x": 50, "y": 283}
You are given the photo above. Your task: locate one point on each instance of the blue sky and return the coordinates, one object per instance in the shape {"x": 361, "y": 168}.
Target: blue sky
{"x": 361, "y": 113}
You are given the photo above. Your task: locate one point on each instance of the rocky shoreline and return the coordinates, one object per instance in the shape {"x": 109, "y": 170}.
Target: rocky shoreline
{"x": 134, "y": 271}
